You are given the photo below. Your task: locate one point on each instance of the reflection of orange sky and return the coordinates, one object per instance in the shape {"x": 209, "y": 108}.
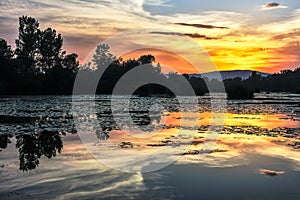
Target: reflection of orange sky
{"x": 264, "y": 121}
{"x": 230, "y": 119}
{"x": 234, "y": 147}
{"x": 195, "y": 120}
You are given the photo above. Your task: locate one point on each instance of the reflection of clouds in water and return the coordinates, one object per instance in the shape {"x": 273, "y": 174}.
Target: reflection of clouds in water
{"x": 103, "y": 179}
{"x": 283, "y": 152}
{"x": 75, "y": 171}
{"x": 125, "y": 187}
{"x": 239, "y": 146}
{"x": 231, "y": 150}
{"x": 215, "y": 161}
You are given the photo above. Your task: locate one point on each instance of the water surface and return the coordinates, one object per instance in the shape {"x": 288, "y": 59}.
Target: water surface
{"x": 255, "y": 134}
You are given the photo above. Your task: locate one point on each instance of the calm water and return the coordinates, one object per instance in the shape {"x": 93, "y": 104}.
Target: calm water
{"x": 258, "y": 134}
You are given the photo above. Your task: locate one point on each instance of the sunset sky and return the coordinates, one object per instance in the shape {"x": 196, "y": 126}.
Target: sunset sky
{"x": 250, "y": 34}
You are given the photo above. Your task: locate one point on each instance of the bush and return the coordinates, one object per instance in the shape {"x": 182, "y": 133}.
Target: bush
{"x": 239, "y": 92}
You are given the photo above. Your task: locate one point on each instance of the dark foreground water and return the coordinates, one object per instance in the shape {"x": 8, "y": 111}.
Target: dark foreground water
{"x": 256, "y": 155}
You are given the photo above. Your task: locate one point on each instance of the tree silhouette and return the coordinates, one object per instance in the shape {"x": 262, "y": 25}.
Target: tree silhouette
{"x": 103, "y": 56}
{"x": 5, "y": 50}
{"x": 50, "y": 47}
{"x": 4, "y": 140}
{"x": 29, "y": 151}
{"x": 40, "y": 66}
{"x": 6, "y": 69}
{"x": 50, "y": 142}
{"x": 33, "y": 146}
{"x": 27, "y": 43}
{"x": 146, "y": 59}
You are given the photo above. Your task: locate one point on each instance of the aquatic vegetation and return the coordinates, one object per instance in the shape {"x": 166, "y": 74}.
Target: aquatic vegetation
{"x": 42, "y": 122}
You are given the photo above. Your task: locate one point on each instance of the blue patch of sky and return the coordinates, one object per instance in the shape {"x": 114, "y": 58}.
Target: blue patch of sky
{"x": 193, "y": 6}
{"x": 251, "y": 7}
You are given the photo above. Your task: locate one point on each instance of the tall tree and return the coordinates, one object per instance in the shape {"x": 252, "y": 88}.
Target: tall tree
{"x": 6, "y": 68}
{"x": 103, "y": 56}
{"x": 27, "y": 43}
{"x": 50, "y": 47}
{"x": 5, "y": 50}
{"x": 70, "y": 62}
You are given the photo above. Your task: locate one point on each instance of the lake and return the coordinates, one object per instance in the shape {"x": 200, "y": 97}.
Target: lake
{"x": 149, "y": 147}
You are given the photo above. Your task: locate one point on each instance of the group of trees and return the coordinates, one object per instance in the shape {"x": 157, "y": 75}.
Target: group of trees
{"x": 38, "y": 65}
{"x": 285, "y": 81}
{"x": 106, "y": 70}
{"x": 236, "y": 88}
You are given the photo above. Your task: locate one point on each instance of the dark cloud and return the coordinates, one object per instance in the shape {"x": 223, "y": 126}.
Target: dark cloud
{"x": 272, "y": 5}
{"x": 191, "y": 35}
{"x": 196, "y": 35}
{"x": 202, "y": 26}
{"x": 168, "y": 33}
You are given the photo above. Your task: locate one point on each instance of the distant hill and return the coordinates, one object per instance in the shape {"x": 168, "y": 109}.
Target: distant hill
{"x": 244, "y": 74}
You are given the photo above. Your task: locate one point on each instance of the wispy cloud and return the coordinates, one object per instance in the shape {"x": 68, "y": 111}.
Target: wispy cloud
{"x": 202, "y": 26}
{"x": 165, "y": 3}
{"x": 271, "y": 6}
{"x": 196, "y": 35}
{"x": 191, "y": 35}
{"x": 287, "y": 25}
{"x": 168, "y": 33}
{"x": 294, "y": 35}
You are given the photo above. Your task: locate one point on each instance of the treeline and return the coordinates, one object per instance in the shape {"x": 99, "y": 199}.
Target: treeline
{"x": 285, "y": 81}
{"x": 39, "y": 66}
{"x": 236, "y": 88}
{"x": 136, "y": 72}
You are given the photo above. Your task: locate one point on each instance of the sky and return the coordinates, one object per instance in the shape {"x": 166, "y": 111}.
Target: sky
{"x": 257, "y": 35}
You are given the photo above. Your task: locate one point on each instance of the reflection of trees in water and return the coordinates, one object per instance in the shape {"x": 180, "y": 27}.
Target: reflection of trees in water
{"x": 4, "y": 140}
{"x": 145, "y": 113}
{"x": 33, "y": 146}
{"x": 102, "y": 134}
{"x": 38, "y": 137}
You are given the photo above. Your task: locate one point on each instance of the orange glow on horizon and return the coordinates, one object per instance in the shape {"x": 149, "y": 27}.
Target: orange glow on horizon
{"x": 168, "y": 60}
